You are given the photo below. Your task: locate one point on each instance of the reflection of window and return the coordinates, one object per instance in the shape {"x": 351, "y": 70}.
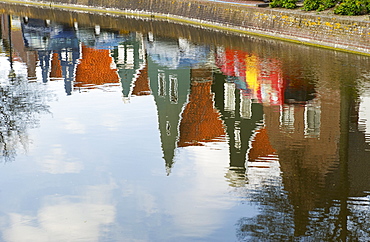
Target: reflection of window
{"x": 126, "y": 56}
{"x": 287, "y": 118}
{"x": 312, "y": 120}
{"x": 237, "y": 138}
{"x": 173, "y": 89}
{"x": 161, "y": 84}
{"x": 229, "y": 98}
{"x": 121, "y": 54}
{"x": 245, "y": 106}
{"x": 168, "y": 128}
{"x": 130, "y": 57}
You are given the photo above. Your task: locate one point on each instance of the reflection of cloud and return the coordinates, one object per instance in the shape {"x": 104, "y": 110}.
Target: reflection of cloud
{"x": 202, "y": 212}
{"x": 111, "y": 121}
{"x": 57, "y": 163}
{"x": 74, "y": 126}
{"x": 63, "y": 220}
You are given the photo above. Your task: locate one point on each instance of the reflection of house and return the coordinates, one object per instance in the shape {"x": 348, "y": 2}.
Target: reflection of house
{"x": 200, "y": 121}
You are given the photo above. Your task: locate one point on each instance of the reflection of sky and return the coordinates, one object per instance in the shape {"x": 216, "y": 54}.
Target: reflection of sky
{"x": 63, "y": 218}
{"x": 177, "y": 53}
{"x": 94, "y": 172}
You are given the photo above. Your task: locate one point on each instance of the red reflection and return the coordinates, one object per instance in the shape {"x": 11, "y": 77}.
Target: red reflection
{"x": 261, "y": 146}
{"x": 261, "y": 79}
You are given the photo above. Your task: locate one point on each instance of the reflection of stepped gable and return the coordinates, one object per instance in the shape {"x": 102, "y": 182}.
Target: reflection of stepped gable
{"x": 241, "y": 118}
{"x": 170, "y": 89}
{"x": 129, "y": 58}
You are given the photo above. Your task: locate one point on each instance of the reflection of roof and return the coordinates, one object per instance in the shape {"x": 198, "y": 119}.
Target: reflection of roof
{"x": 56, "y": 68}
{"x": 200, "y": 122}
{"x": 95, "y": 68}
{"x": 141, "y": 86}
{"x": 261, "y": 146}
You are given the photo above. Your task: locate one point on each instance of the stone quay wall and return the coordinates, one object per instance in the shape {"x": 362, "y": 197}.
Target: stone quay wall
{"x": 321, "y": 29}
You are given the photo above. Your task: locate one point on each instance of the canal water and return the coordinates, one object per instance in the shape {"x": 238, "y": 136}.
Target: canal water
{"x": 123, "y": 129}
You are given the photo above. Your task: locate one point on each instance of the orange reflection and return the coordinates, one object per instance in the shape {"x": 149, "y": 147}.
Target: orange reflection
{"x": 56, "y": 68}
{"x": 95, "y": 68}
{"x": 201, "y": 121}
{"x": 261, "y": 146}
{"x": 141, "y": 86}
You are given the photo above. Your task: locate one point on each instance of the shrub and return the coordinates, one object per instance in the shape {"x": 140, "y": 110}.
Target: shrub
{"x": 284, "y": 3}
{"x": 353, "y": 7}
{"x": 318, "y": 5}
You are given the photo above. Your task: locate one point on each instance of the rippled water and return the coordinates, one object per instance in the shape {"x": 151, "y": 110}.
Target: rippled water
{"x": 119, "y": 129}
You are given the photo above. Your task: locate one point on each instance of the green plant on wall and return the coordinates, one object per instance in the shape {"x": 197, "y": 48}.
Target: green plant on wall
{"x": 284, "y": 3}
{"x": 342, "y": 7}
{"x": 353, "y": 7}
{"x": 318, "y": 5}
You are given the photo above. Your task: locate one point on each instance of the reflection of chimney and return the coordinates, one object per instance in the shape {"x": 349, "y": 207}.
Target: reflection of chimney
{"x": 95, "y": 68}
{"x": 56, "y": 68}
{"x": 201, "y": 121}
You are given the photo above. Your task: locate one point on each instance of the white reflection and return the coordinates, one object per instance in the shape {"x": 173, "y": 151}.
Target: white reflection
{"x": 74, "y": 126}
{"x": 58, "y": 163}
{"x": 364, "y": 111}
{"x": 64, "y": 219}
{"x": 200, "y": 209}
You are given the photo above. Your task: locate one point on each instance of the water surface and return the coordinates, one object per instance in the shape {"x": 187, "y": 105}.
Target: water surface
{"x": 120, "y": 129}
